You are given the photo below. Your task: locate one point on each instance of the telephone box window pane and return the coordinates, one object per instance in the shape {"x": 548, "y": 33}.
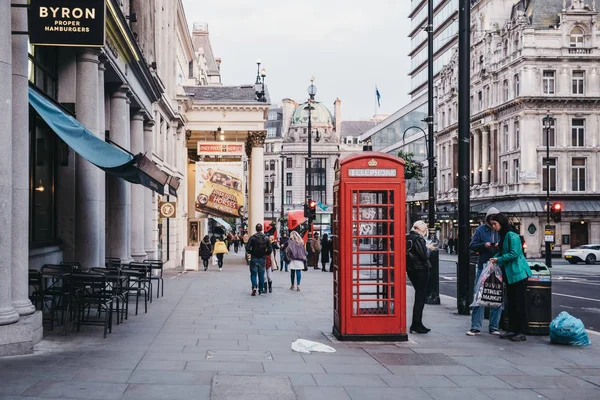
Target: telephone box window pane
{"x": 373, "y": 307}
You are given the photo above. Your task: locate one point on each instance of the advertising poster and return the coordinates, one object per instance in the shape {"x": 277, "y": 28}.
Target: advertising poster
{"x": 220, "y": 188}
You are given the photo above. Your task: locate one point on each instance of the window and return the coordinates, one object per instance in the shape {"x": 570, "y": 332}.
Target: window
{"x": 288, "y": 179}
{"x": 576, "y": 37}
{"x": 444, "y": 183}
{"x": 272, "y": 165}
{"x": 550, "y": 135}
{"x": 552, "y": 164}
{"x": 288, "y": 197}
{"x": 506, "y": 138}
{"x": 43, "y": 69}
{"x": 517, "y": 84}
{"x": 191, "y": 70}
{"x": 517, "y": 135}
{"x": 271, "y": 132}
{"x": 505, "y": 49}
{"x": 289, "y": 162}
{"x": 480, "y": 100}
{"x": 549, "y": 82}
{"x": 578, "y": 174}
{"x": 267, "y": 206}
{"x": 578, "y": 81}
{"x": 443, "y": 120}
{"x": 516, "y": 171}
{"x": 505, "y": 91}
{"x": 505, "y": 172}
{"x": 578, "y": 132}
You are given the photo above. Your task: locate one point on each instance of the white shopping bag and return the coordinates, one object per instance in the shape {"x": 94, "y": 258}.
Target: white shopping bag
{"x": 306, "y": 346}
{"x": 214, "y": 260}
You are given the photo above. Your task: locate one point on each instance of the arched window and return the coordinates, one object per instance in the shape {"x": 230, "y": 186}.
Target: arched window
{"x": 576, "y": 37}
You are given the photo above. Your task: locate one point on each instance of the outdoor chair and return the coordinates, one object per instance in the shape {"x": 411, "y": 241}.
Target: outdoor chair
{"x": 112, "y": 262}
{"x": 139, "y": 282}
{"x": 116, "y": 284}
{"x": 56, "y": 291}
{"x": 75, "y": 264}
{"x": 90, "y": 291}
{"x": 157, "y": 265}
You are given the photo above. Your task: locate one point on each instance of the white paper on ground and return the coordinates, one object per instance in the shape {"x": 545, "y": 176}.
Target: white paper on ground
{"x": 306, "y": 346}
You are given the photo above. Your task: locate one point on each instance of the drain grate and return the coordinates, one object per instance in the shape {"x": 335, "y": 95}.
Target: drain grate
{"x": 414, "y": 359}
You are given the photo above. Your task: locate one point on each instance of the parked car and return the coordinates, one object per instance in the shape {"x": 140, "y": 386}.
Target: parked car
{"x": 588, "y": 253}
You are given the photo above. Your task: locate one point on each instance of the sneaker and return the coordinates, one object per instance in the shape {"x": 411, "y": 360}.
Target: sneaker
{"x": 494, "y": 332}
{"x": 253, "y": 292}
{"x": 507, "y": 335}
{"x": 292, "y": 287}
{"x": 220, "y": 269}
{"x": 474, "y": 332}
{"x": 519, "y": 338}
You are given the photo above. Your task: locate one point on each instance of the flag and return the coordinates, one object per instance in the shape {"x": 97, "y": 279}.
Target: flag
{"x": 378, "y": 95}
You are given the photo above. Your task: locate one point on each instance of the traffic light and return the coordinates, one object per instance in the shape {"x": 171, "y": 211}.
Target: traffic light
{"x": 306, "y": 211}
{"x": 312, "y": 207}
{"x": 555, "y": 212}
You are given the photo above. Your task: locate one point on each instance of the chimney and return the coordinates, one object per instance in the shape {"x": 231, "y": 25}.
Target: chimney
{"x": 337, "y": 106}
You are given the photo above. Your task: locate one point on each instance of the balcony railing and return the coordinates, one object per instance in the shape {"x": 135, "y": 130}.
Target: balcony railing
{"x": 579, "y": 50}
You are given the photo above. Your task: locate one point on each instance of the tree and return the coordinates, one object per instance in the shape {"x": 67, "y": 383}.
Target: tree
{"x": 412, "y": 168}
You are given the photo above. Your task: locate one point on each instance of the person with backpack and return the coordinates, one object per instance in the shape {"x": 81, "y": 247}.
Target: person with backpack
{"x": 417, "y": 269}
{"x": 516, "y": 269}
{"x": 258, "y": 248}
{"x": 220, "y": 250}
{"x": 295, "y": 253}
{"x": 315, "y": 250}
{"x": 205, "y": 251}
{"x": 485, "y": 243}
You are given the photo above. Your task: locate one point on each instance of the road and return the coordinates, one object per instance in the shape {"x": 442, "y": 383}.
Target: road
{"x": 575, "y": 288}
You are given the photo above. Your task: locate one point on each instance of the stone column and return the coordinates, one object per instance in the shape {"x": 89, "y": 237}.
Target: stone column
{"x": 149, "y": 211}
{"x": 119, "y": 190}
{"x": 476, "y": 156}
{"x": 485, "y": 142}
{"x": 87, "y": 176}
{"x": 20, "y": 165}
{"x": 138, "y": 252}
{"x": 102, "y": 175}
{"x": 257, "y": 170}
{"x": 8, "y": 315}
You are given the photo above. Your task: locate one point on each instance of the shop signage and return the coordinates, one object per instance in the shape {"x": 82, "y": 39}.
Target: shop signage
{"x": 220, "y": 149}
{"x": 167, "y": 209}
{"x": 376, "y": 173}
{"x": 67, "y": 23}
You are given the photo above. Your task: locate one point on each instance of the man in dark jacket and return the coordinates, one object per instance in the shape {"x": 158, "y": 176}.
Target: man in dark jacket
{"x": 417, "y": 269}
{"x": 485, "y": 243}
{"x": 282, "y": 242}
{"x": 258, "y": 247}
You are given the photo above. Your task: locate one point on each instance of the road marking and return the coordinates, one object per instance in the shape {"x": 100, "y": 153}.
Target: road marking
{"x": 570, "y": 308}
{"x": 576, "y": 297}
{"x": 593, "y": 332}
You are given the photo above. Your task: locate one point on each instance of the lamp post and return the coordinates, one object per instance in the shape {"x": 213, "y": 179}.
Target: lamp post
{"x": 259, "y": 85}
{"x": 433, "y": 287}
{"x": 312, "y": 91}
{"x": 547, "y": 121}
{"x": 283, "y": 158}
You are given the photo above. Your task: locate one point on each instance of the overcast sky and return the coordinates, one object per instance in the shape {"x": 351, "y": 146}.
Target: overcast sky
{"x": 349, "y": 46}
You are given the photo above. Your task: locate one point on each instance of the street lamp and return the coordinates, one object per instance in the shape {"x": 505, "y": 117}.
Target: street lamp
{"x": 283, "y": 159}
{"x": 547, "y": 121}
{"x": 259, "y": 85}
{"x": 312, "y": 91}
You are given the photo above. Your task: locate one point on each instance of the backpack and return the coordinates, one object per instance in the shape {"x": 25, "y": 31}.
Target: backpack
{"x": 260, "y": 247}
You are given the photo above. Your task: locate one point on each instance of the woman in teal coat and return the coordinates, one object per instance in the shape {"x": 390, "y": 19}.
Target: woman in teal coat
{"x": 516, "y": 268}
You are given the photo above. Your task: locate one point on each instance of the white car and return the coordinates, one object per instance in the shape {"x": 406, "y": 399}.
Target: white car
{"x": 588, "y": 253}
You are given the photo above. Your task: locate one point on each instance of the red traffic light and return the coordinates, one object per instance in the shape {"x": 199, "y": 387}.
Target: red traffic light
{"x": 556, "y": 206}
{"x": 312, "y": 204}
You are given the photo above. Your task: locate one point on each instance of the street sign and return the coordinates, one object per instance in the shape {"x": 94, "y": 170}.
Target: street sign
{"x": 550, "y": 238}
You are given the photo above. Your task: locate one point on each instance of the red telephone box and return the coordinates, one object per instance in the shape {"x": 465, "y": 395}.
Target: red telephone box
{"x": 369, "y": 263}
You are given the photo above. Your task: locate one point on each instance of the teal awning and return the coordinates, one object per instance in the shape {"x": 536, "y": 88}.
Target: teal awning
{"x": 137, "y": 169}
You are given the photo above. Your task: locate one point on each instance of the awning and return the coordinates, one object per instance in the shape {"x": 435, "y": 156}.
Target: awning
{"x": 113, "y": 160}
{"x": 173, "y": 185}
{"x": 221, "y": 222}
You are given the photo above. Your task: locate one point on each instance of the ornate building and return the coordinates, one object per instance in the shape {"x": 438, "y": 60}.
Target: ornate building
{"x": 530, "y": 60}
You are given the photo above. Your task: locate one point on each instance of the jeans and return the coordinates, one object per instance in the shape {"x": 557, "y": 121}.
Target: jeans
{"x": 516, "y": 294}
{"x": 257, "y": 272}
{"x": 205, "y": 263}
{"x": 220, "y": 260}
{"x": 477, "y": 315}
{"x": 296, "y": 273}
{"x": 419, "y": 278}
{"x": 282, "y": 264}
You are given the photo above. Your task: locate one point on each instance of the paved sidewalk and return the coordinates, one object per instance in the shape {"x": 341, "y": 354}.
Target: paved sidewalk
{"x": 209, "y": 339}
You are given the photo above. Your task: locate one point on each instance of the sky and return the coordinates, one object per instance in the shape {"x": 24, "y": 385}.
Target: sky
{"x": 349, "y": 46}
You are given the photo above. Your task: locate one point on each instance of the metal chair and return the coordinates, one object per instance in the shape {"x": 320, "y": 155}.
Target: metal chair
{"x": 90, "y": 289}
{"x": 56, "y": 290}
{"x": 158, "y": 266}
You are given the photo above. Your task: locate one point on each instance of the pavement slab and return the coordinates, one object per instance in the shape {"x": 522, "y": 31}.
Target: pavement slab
{"x": 208, "y": 339}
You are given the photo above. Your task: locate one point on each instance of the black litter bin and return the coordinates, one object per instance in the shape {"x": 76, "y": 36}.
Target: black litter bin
{"x": 539, "y": 300}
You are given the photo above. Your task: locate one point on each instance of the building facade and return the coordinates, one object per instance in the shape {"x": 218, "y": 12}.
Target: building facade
{"x": 532, "y": 59}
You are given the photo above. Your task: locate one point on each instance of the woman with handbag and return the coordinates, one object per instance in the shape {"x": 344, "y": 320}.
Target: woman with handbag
{"x": 417, "y": 269}
{"x": 516, "y": 268}
{"x": 296, "y": 255}
{"x": 205, "y": 251}
{"x": 220, "y": 250}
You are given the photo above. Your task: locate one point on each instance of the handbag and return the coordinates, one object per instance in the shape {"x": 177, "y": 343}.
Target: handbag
{"x": 215, "y": 261}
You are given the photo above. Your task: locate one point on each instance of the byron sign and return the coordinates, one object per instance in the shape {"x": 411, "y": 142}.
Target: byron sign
{"x": 67, "y": 23}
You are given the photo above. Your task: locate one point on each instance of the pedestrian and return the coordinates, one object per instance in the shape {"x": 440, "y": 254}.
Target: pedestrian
{"x": 282, "y": 244}
{"x": 229, "y": 240}
{"x": 220, "y": 250}
{"x": 213, "y": 239}
{"x": 296, "y": 253}
{"x": 516, "y": 269}
{"x": 269, "y": 270}
{"x": 275, "y": 254}
{"x": 258, "y": 248}
{"x": 236, "y": 243}
{"x": 315, "y": 247}
{"x": 205, "y": 251}
{"x": 484, "y": 242}
{"x": 325, "y": 252}
{"x": 417, "y": 268}
{"x": 451, "y": 244}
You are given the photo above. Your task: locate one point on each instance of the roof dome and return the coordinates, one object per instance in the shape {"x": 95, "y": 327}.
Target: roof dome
{"x": 320, "y": 115}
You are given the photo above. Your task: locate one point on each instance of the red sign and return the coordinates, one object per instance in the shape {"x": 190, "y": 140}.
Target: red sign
{"x": 220, "y": 149}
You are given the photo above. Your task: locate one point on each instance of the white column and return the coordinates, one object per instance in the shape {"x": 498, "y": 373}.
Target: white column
{"x": 476, "y": 156}
{"x": 87, "y": 175}
{"x": 138, "y": 252}
{"x": 20, "y": 165}
{"x": 8, "y": 315}
{"x": 485, "y": 141}
{"x": 102, "y": 175}
{"x": 119, "y": 190}
{"x": 149, "y": 211}
{"x": 257, "y": 189}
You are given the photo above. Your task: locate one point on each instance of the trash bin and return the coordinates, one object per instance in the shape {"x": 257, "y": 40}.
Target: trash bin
{"x": 539, "y": 300}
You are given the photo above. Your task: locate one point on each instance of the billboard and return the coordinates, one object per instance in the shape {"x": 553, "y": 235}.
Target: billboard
{"x": 220, "y": 188}
{"x": 220, "y": 149}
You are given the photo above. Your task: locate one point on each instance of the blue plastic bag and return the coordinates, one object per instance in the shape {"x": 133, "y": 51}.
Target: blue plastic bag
{"x": 566, "y": 329}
